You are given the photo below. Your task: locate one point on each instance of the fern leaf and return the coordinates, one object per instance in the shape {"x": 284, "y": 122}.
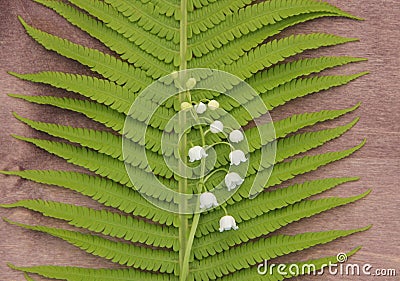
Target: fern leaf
{"x": 305, "y": 86}
{"x": 299, "y": 143}
{"x": 104, "y": 222}
{"x": 252, "y": 18}
{"x": 110, "y": 168}
{"x": 91, "y": 274}
{"x": 100, "y": 90}
{"x": 288, "y": 170}
{"x": 101, "y": 164}
{"x": 109, "y": 118}
{"x": 114, "y": 69}
{"x": 284, "y": 73}
{"x": 278, "y": 50}
{"x": 92, "y": 110}
{"x": 295, "y": 89}
{"x": 104, "y": 191}
{"x": 216, "y": 242}
{"x": 127, "y": 51}
{"x": 257, "y": 251}
{"x": 267, "y": 201}
{"x": 233, "y": 50}
{"x": 261, "y": 135}
{"x": 148, "y": 17}
{"x": 298, "y": 121}
{"x": 200, "y": 20}
{"x": 158, "y": 47}
{"x": 286, "y": 147}
{"x": 103, "y": 142}
{"x": 121, "y": 253}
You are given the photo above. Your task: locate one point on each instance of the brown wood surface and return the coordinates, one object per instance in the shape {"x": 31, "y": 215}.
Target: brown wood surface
{"x": 377, "y": 163}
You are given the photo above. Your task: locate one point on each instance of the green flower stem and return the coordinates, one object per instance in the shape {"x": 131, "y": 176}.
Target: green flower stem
{"x": 221, "y": 142}
{"x": 195, "y": 222}
{"x": 215, "y": 171}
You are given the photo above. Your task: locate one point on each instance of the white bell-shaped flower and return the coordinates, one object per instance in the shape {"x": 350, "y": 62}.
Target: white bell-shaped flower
{"x": 190, "y": 83}
{"x": 216, "y": 127}
{"x": 200, "y": 108}
{"x": 197, "y": 153}
{"x": 208, "y": 200}
{"x": 227, "y": 223}
{"x": 233, "y": 180}
{"x": 185, "y": 105}
{"x": 213, "y": 104}
{"x": 236, "y": 136}
{"x": 236, "y": 157}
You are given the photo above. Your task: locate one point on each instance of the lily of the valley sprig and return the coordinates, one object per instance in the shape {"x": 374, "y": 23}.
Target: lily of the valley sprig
{"x": 232, "y": 180}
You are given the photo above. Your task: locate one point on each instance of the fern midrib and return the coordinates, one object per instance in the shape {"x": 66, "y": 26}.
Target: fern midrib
{"x": 184, "y": 229}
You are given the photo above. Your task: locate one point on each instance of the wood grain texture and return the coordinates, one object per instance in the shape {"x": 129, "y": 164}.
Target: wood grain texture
{"x": 377, "y": 163}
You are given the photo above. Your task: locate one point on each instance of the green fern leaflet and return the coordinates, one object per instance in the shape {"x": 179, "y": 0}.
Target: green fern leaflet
{"x": 159, "y": 42}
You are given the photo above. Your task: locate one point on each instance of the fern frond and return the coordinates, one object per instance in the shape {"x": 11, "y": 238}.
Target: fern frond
{"x": 148, "y": 17}
{"x": 282, "y": 74}
{"x": 233, "y": 50}
{"x": 267, "y": 201}
{"x": 263, "y": 249}
{"x": 158, "y": 47}
{"x": 118, "y": 252}
{"x": 297, "y": 88}
{"x": 280, "y": 49}
{"x": 100, "y": 90}
{"x": 105, "y": 222}
{"x": 252, "y": 18}
{"x": 261, "y": 135}
{"x": 216, "y": 242}
{"x": 111, "y": 168}
{"x": 103, "y": 190}
{"x": 91, "y": 274}
{"x": 110, "y": 38}
{"x": 101, "y": 164}
{"x": 299, "y": 143}
{"x": 92, "y": 110}
{"x": 305, "y": 86}
{"x": 200, "y": 20}
{"x": 101, "y": 141}
{"x": 108, "y": 66}
{"x": 286, "y": 147}
{"x": 288, "y": 170}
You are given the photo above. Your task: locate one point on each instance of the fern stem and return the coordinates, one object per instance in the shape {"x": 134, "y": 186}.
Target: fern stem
{"x": 183, "y": 218}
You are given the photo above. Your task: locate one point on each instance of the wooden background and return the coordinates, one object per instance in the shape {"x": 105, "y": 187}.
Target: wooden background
{"x": 377, "y": 163}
